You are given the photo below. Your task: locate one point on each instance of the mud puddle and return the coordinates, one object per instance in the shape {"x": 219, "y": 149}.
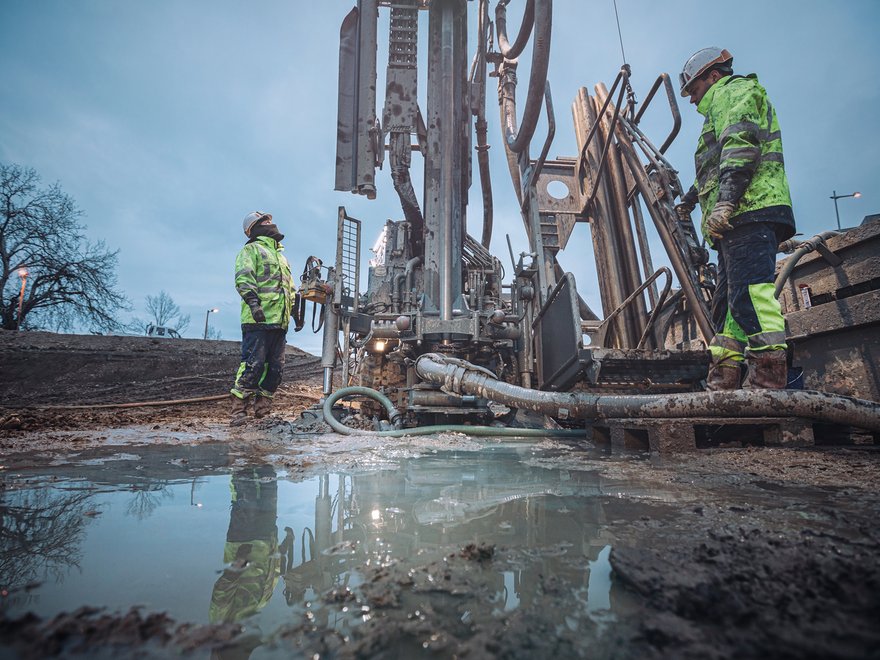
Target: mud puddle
{"x": 502, "y": 551}
{"x": 451, "y": 542}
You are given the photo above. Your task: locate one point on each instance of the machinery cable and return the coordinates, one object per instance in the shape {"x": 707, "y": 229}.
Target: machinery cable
{"x": 619, "y": 33}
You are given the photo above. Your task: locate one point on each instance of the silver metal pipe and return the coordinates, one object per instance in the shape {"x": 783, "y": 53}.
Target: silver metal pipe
{"x": 446, "y": 161}
{"x": 328, "y": 347}
{"x": 446, "y": 139}
{"x": 327, "y": 386}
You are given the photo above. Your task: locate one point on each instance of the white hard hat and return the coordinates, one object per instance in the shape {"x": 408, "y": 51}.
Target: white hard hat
{"x": 700, "y": 62}
{"x": 253, "y": 218}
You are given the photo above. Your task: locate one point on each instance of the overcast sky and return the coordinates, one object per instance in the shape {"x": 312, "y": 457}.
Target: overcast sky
{"x": 169, "y": 120}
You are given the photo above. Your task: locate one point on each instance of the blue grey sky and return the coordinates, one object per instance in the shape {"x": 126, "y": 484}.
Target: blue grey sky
{"x": 169, "y": 120}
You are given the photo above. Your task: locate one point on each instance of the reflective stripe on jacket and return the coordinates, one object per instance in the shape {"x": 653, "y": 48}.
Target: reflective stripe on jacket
{"x": 262, "y": 272}
{"x": 740, "y": 137}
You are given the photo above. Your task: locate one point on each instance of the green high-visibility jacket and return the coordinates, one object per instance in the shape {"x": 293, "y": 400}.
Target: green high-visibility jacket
{"x": 739, "y": 153}
{"x": 262, "y": 275}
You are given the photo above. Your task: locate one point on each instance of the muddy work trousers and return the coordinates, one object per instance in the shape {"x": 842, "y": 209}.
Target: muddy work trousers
{"x": 745, "y": 313}
{"x": 262, "y": 361}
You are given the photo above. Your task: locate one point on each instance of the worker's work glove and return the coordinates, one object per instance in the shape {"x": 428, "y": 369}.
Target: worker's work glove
{"x": 683, "y": 211}
{"x": 699, "y": 255}
{"x": 258, "y": 313}
{"x": 718, "y": 221}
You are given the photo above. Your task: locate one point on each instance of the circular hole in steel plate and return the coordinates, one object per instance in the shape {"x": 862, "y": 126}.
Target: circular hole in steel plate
{"x": 557, "y": 189}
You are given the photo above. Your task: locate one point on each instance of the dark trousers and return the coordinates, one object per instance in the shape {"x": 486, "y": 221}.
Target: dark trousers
{"x": 262, "y": 361}
{"x": 746, "y": 255}
{"x": 745, "y": 312}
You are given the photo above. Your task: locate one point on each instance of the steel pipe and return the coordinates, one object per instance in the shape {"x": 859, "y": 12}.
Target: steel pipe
{"x": 691, "y": 291}
{"x": 623, "y": 231}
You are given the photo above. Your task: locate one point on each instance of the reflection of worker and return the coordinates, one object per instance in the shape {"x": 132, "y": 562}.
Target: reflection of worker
{"x": 743, "y": 192}
{"x": 262, "y": 278}
{"x": 246, "y": 586}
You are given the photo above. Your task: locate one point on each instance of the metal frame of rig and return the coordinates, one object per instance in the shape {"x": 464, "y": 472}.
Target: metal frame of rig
{"x": 434, "y": 290}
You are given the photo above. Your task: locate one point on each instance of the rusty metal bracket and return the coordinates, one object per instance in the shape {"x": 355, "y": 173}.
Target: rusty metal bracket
{"x": 663, "y": 79}
{"x": 833, "y": 260}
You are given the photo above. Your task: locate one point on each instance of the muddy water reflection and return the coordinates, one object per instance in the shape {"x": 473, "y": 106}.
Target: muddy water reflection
{"x": 466, "y": 538}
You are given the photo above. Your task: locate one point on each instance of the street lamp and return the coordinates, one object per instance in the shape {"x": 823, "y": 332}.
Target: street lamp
{"x": 22, "y": 273}
{"x": 208, "y": 314}
{"x": 835, "y": 197}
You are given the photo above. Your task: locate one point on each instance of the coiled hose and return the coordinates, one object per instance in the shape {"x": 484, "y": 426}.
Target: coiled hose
{"x": 396, "y": 418}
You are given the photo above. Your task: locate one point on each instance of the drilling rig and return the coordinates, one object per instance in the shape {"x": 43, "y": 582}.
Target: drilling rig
{"x": 444, "y": 329}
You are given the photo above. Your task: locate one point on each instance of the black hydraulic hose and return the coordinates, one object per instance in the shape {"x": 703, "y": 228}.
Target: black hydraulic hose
{"x": 513, "y": 166}
{"x": 400, "y": 164}
{"x": 517, "y": 139}
{"x": 821, "y": 406}
{"x": 525, "y": 29}
{"x": 478, "y": 109}
{"x": 482, "y": 149}
{"x": 395, "y": 417}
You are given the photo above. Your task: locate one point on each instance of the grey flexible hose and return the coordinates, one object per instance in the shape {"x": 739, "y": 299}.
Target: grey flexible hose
{"x": 820, "y": 406}
{"x": 799, "y": 250}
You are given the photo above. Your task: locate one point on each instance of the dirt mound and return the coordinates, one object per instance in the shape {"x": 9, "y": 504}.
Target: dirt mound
{"x": 42, "y": 368}
{"x": 45, "y": 374}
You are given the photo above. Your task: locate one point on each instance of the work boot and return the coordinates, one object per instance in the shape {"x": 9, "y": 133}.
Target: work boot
{"x": 262, "y": 406}
{"x": 767, "y": 370}
{"x": 238, "y": 411}
{"x": 723, "y": 375}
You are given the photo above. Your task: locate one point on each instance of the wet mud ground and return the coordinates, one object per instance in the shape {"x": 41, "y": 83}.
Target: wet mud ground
{"x": 157, "y": 532}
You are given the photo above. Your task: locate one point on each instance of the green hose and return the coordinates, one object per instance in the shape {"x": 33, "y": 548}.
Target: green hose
{"x": 394, "y": 415}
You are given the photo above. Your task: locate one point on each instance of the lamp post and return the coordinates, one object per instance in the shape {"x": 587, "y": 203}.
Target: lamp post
{"x": 835, "y": 197}
{"x": 22, "y": 273}
{"x": 207, "y": 315}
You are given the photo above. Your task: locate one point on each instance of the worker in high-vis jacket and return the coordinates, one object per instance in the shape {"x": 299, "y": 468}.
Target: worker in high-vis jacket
{"x": 743, "y": 193}
{"x": 246, "y": 586}
{"x": 262, "y": 279}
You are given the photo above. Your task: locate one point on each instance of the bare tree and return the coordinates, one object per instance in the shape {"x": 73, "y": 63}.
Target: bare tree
{"x": 41, "y": 534}
{"x": 69, "y": 280}
{"x": 147, "y": 498}
{"x": 165, "y": 312}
